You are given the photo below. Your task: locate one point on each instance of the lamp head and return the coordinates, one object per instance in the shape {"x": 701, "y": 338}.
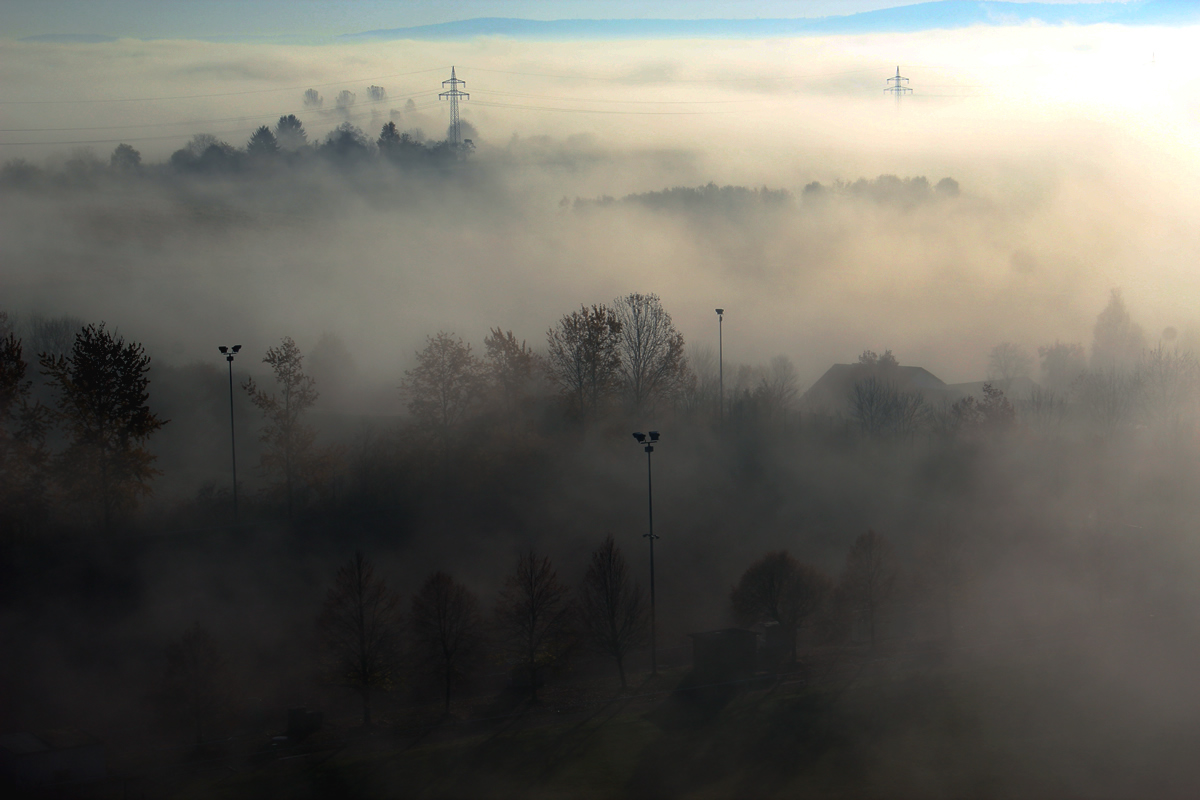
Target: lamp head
{"x": 237, "y": 347}
{"x": 223, "y": 349}
{"x": 654, "y": 436}
{"x": 720, "y": 311}
{"x": 641, "y": 437}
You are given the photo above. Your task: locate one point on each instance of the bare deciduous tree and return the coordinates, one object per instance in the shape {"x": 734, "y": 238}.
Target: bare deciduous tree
{"x": 881, "y": 409}
{"x": 193, "y": 680}
{"x": 612, "y": 605}
{"x": 1008, "y": 361}
{"x": 584, "y": 357}
{"x": 446, "y": 628}
{"x": 779, "y": 588}
{"x": 288, "y": 440}
{"x": 536, "y": 617}
{"x": 360, "y": 631}
{"x": 868, "y": 582}
{"x": 653, "y": 364}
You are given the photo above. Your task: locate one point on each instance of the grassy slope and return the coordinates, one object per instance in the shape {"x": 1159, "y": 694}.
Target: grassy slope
{"x": 1036, "y": 731}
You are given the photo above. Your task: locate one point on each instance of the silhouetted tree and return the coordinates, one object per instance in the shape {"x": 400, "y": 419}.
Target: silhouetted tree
{"x": 101, "y": 404}
{"x": 779, "y": 588}
{"x": 288, "y": 441}
{"x": 1170, "y": 384}
{"x": 868, "y": 582}
{"x": 1117, "y": 340}
{"x": 262, "y": 144}
{"x": 1111, "y": 398}
{"x": 612, "y": 606}
{"x": 992, "y": 414}
{"x": 1062, "y": 364}
{"x": 125, "y": 158}
{"x": 443, "y": 387}
{"x": 346, "y": 143}
{"x": 345, "y": 100}
{"x": 652, "y": 360}
{"x": 447, "y": 629}
{"x": 193, "y": 680}
{"x": 313, "y": 99}
{"x": 24, "y": 424}
{"x": 1008, "y": 361}
{"x": 377, "y": 94}
{"x": 535, "y": 617}
{"x": 389, "y": 139}
{"x": 881, "y": 409}
{"x": 513, "y": 370}
{"x": 584, "y": 356}
{"x": 360, "y": 627}
{"x": 290, "y": 133}
{"x": 53, "y": 335}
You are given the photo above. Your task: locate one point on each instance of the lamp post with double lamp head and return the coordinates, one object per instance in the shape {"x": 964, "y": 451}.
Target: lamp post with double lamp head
{"x": 229, "y": 353}
{"x": 721, "y": 366}
{"x": 649, "y": 443}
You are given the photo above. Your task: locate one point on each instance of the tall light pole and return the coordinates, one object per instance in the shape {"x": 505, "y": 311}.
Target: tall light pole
{"x": 641, "y": 438}
{"x": 229, "y": 353}
{"x": 721, "y": 366}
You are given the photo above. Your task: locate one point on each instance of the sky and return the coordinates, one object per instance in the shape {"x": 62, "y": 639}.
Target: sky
{"x": 227, "y": 18}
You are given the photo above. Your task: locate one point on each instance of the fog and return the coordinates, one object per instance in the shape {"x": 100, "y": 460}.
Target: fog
{"x": 1032, "y": 171}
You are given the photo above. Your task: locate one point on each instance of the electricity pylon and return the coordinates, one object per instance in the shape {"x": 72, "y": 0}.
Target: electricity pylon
{"x": 896, "y": 86}
{"x": 452, "y": 95}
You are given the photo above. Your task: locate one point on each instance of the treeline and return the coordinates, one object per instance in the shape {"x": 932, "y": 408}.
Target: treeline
{"x": 707, "y": 198}
{"x": 1123, "y": 385}
{"x": 441, "y": 638}
{"x": 285, "y": 145}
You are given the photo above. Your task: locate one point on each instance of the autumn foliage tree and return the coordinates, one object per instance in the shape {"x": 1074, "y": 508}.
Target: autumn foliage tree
{"x": 443, "y": 388}
{"x": 102, "y": 388}
{"x": 781, "y": 589}
{"x": 612, "y": 606}
{"x": 287, "y": 439}
{"x": 360, "y": 627}
{"x": 446, "y": 629}
{"x": 535, "y": 617}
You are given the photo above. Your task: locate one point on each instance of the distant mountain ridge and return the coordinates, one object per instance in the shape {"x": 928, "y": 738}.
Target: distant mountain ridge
{"x": 941, "y": 14}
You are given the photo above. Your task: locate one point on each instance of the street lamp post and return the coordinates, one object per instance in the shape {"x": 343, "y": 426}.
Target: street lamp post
{"x": 649, "y": 447}
{"x": 229, "y": 353}
{"x": 721, "y": 366}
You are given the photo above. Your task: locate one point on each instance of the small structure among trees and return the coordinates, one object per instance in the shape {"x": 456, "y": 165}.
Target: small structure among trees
{"x": 780, "y": 589}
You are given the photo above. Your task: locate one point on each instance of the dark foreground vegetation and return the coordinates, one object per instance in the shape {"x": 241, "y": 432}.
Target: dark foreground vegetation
{"x": 977, "y": 598}
{"x": 990, "y": 594}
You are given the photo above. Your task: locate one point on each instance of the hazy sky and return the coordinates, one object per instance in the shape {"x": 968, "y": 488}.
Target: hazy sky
{"x": 218, "y": 18}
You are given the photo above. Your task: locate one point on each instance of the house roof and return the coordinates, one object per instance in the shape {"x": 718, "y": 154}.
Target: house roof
{"x": 832, "y": 388}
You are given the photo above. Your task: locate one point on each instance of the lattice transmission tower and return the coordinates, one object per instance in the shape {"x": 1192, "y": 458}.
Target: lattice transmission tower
{"x": 897, "y": 86}
{"x": 452, "y": 95}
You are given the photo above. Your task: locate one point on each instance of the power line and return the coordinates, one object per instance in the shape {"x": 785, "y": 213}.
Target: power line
{"x": 493, "y": 104}
{"x": 760, "y": 78}
{"x": 202, "y": 121}
{"x": 217, "y": 94}
{"x": 126, "y": 139}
